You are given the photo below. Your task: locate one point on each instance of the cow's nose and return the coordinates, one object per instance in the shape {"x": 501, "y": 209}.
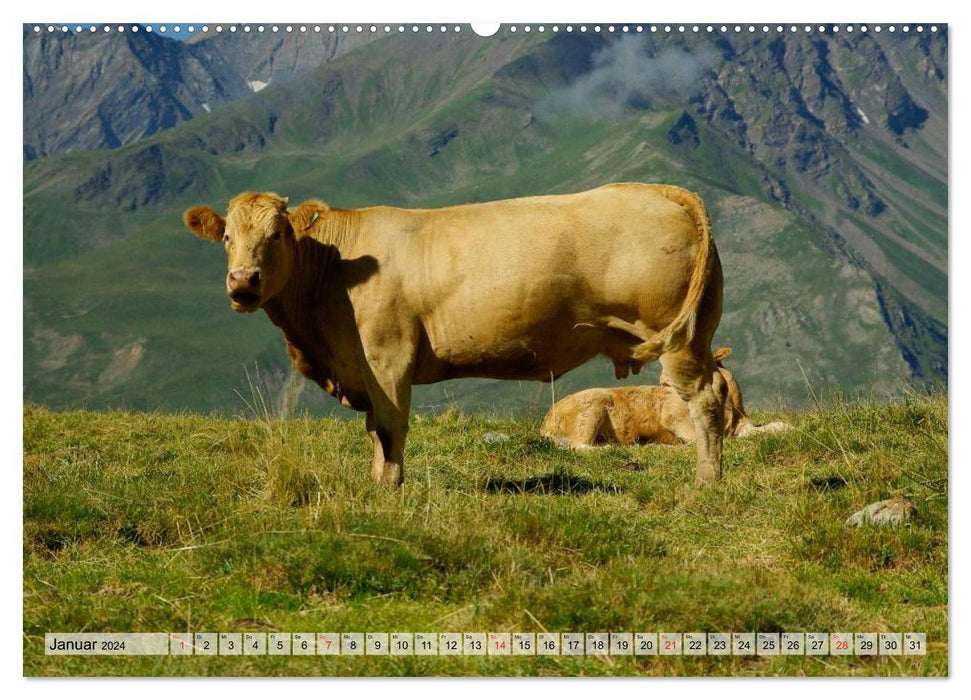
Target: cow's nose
{"x": 243, "y": 279}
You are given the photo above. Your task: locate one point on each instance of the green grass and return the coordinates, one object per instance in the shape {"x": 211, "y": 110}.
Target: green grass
{"x": 152, "y": 522}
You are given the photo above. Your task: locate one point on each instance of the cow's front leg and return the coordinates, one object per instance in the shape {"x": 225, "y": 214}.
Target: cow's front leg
{"x": 388, "y": 438}
{"x": 387, "y": 424}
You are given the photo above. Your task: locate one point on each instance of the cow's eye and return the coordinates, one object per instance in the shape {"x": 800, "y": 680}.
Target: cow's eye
{"x": 275, "y": 236}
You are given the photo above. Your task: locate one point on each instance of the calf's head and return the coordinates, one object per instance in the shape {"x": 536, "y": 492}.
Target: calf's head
{"x": 734, "y": 408}
{"x": 258, "y": 235}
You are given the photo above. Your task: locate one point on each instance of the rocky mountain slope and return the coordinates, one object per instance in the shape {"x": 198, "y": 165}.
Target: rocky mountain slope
{"x": 105, "y": 90}
{"x": 823, "y": 159}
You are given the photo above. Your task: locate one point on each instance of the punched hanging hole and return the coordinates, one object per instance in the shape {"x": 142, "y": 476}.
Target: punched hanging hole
{"x": 485, "y": 28}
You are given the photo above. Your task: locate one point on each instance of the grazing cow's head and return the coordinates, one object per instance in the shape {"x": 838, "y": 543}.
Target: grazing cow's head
{"x": 258, "y": 234}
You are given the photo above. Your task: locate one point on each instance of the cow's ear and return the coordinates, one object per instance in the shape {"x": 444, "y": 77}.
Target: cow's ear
{"x": 721, "y": 353}
{"x": 305, "y": 216}
{"x": 205, "y": 223}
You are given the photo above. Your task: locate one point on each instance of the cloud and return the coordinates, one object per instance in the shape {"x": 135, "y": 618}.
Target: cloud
{"x": 625, "y": 75}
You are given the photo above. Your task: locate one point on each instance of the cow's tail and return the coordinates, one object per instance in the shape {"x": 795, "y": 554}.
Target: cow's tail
{"x": 680, "y": 332}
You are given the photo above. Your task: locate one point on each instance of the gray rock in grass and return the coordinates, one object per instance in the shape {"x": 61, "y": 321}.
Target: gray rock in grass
{"x": 892, "y": 512}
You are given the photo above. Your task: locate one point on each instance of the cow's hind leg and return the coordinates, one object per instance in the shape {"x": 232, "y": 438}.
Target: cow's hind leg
{"x": 691, "y": 372}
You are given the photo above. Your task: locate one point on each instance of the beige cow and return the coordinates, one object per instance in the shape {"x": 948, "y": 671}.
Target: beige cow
{"x": 372, "y": 301}
{"x": 643, "y": 414}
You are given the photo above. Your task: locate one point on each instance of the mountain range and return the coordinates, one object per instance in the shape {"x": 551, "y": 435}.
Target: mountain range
{"x": 823, "y": 159}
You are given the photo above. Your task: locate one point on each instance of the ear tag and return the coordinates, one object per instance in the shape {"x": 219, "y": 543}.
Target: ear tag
{"x": 312, "y": 220}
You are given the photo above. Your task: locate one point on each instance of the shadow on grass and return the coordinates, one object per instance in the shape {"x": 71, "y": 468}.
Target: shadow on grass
{"x": 554, "y": 484}
{"x": 826, "y": 483}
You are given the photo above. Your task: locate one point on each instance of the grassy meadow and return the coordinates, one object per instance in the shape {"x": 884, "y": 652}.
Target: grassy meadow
{"x": 150, "y": 522}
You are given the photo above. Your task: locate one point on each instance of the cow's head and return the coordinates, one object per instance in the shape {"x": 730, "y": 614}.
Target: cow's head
{"x": 258, "y": 234}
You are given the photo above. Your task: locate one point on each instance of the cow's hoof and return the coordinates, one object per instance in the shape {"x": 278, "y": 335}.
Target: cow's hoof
{"x": 388, "y": 474}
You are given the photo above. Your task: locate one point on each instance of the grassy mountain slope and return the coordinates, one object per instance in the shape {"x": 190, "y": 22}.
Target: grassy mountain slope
{"x": 124, "y": 308}
{"x": 147, "y": 522}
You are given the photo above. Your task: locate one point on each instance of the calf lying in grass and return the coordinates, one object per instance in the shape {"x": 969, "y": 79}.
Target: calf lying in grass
{"x": 643, "y": 414}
